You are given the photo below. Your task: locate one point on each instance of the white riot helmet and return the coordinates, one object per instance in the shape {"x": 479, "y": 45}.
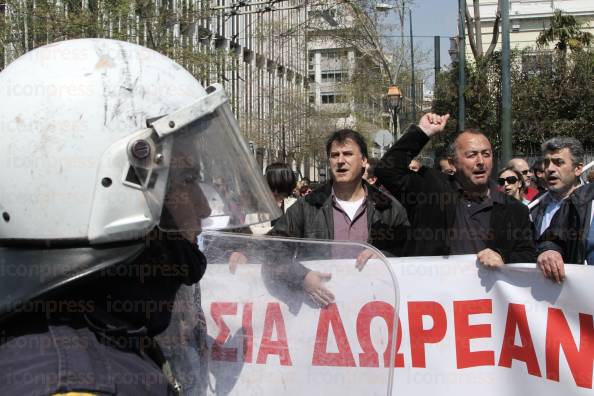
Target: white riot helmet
{"x": 103, "y": 140}
{"x": 100, "y": 142}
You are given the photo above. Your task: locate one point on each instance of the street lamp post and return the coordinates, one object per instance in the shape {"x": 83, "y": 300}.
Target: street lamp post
{"x": 395, "y": 100}
{"x": 461, "y": 63}
{"x": 383, "y": 7}
{"x": 506, "y": 102}
{"x": 412, "y": 70}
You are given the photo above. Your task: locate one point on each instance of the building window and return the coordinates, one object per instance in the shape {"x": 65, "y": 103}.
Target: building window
{"x": 312, "y": 99}
{"x": 311, "y": 63}
{"x": 331, "y": 12}
{"x": 332, "y": 54}
{"x": 536, "y": 63}
{"x": 332, "y": 98}
{"x": 323, "y": 13}
{"x": 333, "y": 76}
{"x": 312, "y": 77}
{"x": 515, "y": 25}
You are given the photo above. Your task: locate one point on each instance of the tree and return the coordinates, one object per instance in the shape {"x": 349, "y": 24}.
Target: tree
{"x": 559, "y": 101}
{"x": 343, "y": 35}
{"x": 475, "y": 30}
{"x": 547, "y": 101}
{"x": 349, "y": 23}
{"x": 353, "y": 25}
{"x": 566, "y": 31}
{"x": 551, "y": 95}
{"x": 482, "y": 96}
{"x": 161, "y": 26}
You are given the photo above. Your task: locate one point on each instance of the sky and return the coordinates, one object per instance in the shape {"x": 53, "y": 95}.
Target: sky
{"x": 430, "y": 18}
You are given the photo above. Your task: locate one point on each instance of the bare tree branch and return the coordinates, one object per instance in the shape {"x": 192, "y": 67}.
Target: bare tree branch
{"x": 401, "y": 15}
{"x": 470, "y": 27}
{"x": 371, "y": 35}
{"x": 478, "y": 26}
{"x": 495, "y": 35}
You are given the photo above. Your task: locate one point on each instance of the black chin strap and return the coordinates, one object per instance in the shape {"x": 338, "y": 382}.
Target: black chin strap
{"x": 30, "y": 272}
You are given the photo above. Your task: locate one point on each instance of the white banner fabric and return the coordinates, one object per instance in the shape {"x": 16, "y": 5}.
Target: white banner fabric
{"x": 463, "y": 330}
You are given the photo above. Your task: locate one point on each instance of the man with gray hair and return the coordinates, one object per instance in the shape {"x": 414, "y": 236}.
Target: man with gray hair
{"x": 563, "y": 163}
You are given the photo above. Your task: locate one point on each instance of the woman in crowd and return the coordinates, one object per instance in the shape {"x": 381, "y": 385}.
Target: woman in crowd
{"x": 281, "y": 181}
{"x": 512, "y": 183}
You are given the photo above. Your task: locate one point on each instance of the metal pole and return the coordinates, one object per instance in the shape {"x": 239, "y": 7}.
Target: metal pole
{"x": 413, "y": 96}
{"x": 437, "y": 53}
{"x": 284, "y": 144}
{"x": 506, "y": 124}
{"x": 461, "y": 61}
{"x": 395, "y": 122}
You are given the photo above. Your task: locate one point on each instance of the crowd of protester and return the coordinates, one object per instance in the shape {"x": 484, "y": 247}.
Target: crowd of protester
{"x": 521, "y": 213}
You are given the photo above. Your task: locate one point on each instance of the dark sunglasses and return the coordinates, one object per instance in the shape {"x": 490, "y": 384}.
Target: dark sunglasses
{"x": 510, "y": 180}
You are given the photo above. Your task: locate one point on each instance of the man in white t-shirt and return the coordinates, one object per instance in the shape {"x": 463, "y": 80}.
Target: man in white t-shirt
{"x": 346, "y": 208}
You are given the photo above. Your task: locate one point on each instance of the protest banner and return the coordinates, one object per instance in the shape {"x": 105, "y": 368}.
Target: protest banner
{"x": 462, "y": 329}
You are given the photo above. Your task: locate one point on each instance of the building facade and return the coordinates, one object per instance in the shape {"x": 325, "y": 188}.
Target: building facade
{"x": 255, "y": 49}
{"x": 346, "y": 82}
{"x": 528, "y": 18}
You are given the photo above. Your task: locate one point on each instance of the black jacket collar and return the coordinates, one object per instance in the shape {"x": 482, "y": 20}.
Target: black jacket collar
{"x": 321, "y": 195}
{"x": 495, "y": 195}
{"x": 583, "y": 194}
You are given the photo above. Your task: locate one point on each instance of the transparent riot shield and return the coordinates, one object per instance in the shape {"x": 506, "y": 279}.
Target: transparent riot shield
{"x": 291, "y": 317}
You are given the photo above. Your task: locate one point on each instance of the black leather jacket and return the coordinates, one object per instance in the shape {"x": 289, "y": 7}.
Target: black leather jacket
{"x": 570, "y": 226}
{"x": 312, "y": 217}
{"x": 430, "y": 197}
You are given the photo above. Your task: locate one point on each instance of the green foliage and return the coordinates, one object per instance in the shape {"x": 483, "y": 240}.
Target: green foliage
{"x": 566, "y": 31}
{"x": 33, "y": 23}
{"x": 555, "y": 96}
{"x": 482, "y": 96}
{"x": 552, "y": 93}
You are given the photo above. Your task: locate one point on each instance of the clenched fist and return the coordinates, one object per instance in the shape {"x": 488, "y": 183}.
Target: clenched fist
{"x": 432, "y": 123}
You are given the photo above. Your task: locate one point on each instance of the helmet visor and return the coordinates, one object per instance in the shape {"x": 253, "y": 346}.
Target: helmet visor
{"x": 205, "y": 177}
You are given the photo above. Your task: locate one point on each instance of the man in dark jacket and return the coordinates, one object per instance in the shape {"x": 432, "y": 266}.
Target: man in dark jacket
{"x": 459, "y": 214}
{"x": 346, "y": 208}
{"x": 569, "y": 238}
{"x": 563, "y": 162}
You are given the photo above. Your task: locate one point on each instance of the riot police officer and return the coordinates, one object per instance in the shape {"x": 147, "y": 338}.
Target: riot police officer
{"x": 110, "y": 152}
